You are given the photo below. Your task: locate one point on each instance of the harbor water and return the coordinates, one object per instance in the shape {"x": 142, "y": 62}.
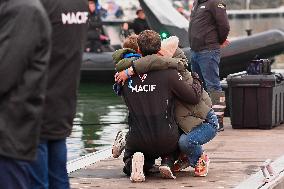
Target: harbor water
{"x": 100, "y": 113}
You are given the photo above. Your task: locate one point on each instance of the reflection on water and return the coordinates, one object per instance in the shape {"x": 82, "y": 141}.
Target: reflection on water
{"x": 100, "y": 114}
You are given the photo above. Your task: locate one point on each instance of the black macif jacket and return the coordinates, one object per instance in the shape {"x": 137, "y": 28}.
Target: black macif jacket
{"x": 150, "y": 101}
{"x": 24, "y": 54}
{"x": 69, "y": 27}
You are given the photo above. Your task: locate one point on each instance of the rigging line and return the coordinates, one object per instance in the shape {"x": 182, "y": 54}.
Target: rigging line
{"x": 86, "y": 124}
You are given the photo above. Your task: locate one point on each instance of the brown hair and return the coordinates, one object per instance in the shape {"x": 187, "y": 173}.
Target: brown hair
{"x": 149, "y": 42}
{"x": 131, "y": 42}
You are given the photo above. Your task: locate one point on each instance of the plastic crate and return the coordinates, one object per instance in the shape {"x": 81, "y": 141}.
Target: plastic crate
{"x": 256, "y": 101}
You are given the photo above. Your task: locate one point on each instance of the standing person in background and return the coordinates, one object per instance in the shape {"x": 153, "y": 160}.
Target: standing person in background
{"x": 96, "y": 40}
{"x": 24, "y": 55}
{"x": 69, "y": 27}
{"x": 139, "y": 24}
{"x": 95, "y": 25}
{"x": 208, "y": 31}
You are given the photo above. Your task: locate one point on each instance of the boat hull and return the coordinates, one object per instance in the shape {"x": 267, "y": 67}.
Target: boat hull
{"x": 234, "y": 58}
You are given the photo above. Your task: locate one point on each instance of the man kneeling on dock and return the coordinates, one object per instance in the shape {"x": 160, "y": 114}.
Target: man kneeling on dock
{"x": 153, "y": 131}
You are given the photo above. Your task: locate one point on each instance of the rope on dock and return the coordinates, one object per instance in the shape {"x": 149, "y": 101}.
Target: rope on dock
{"x": 88, "y": 160}
{"x": 107, "y": 123}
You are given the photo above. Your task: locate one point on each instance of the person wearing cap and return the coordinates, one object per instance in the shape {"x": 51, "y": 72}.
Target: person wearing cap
{"x": 139, "y": 24}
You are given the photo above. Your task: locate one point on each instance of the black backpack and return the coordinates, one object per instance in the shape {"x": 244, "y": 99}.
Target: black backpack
{"x": 259, "y": 66}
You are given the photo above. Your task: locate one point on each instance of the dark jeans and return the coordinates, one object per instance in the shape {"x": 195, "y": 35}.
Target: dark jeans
{"x": 49, "y": 170}
{"x": 206, "y": 64}
{"x": 191, "y": 143}
{"x": 14, "y": 174}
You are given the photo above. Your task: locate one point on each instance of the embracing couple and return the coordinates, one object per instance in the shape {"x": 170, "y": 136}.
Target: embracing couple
{"x": 170, "y": 115}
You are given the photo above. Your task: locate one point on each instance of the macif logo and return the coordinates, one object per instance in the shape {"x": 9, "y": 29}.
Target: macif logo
{"x": 74, "y": 18}
{"x": 143, "y": 88}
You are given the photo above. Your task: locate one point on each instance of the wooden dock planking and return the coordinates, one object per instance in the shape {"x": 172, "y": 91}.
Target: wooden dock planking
{"x": 234, "y": 154}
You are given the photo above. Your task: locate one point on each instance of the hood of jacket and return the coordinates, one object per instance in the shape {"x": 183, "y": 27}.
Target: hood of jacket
{"x": 169, "y": 46}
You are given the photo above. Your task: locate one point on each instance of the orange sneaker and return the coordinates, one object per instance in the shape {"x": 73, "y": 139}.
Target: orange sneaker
{"x": 201, "y": 169}
{"x": 181, "y": 163}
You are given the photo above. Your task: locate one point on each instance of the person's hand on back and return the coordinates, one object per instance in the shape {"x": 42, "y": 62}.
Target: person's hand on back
{"x": 121, "y": 77}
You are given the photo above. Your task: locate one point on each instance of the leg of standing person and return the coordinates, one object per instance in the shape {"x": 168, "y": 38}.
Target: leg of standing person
{"x": 39, "y": 168}
{"x": 57, "y": 159}
{"x": 49, "y": 170}
{"x": 208, "y": 63}
{"x": 191, "y": 143}
{"x": 195, "y": 67}
{"x": 14, "y": 174}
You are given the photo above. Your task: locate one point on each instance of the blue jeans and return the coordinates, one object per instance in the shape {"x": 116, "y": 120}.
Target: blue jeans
{"x": 206, "y": 64}
{"x": 191, "y": 143}
{"x": 14, "y": 174}
{"x": 49, "y": 170}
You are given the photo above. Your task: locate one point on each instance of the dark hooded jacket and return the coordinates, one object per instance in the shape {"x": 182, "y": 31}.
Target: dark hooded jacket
{"x": 24, "y": 54}
{"x": 209, "y": 25}
{"x": 69, "y": 28}
{"x": 139, "y": 25}
{"x": 150, "y": 101}
{"x": 186, "y": 115}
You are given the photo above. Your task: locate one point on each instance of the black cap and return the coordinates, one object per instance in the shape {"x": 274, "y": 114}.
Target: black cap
{"x": 138, "y": 11}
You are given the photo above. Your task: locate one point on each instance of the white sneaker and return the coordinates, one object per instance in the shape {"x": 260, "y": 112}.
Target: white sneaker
{"x": 119, "y": 144}
{"x": 137, "y": 174}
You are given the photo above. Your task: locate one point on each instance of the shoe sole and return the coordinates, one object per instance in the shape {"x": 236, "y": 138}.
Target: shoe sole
{"x": 137, "y": 174}
{"x": 181, "y": 168}
{"x": 219, "y": 130}
{"x": 118, "y": 145}
{"x": 166, "y": 172}
{"x": 204, "y": 175}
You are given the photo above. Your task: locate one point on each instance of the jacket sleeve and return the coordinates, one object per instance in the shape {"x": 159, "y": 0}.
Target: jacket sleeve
{"x": 156, "y": 62}
{"x": 124, "y": 64}
{"x": 21, "y": 40}
{"x": 218, "y": 10}
{"x": 183, "y": 59}
{"x": 189, "y": 93}
{"x": 118, "y": 54}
